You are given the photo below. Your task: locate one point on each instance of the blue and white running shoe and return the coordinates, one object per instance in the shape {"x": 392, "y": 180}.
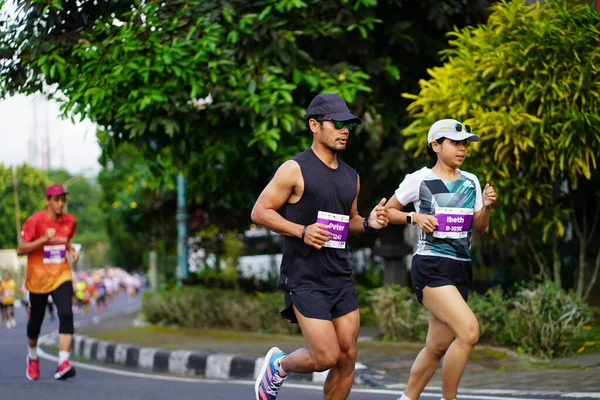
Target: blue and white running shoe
{"x": 269, "y": 380}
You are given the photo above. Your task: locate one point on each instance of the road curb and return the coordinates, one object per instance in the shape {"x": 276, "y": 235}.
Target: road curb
{"x": 192, "y": 363}
{"x": 184, "y": 364}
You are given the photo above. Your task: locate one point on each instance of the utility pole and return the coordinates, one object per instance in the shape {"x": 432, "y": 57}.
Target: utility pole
{"x": 152, "y": 265}
{"x": 182, "y": 232}
{"x": 17, "y": 208}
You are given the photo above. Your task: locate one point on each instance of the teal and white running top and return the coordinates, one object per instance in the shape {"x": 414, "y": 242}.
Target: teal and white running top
{"x": 452, "y": 203}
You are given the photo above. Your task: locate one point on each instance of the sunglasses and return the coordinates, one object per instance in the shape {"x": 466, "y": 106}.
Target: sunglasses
{"x": 339, "y": 124}
{"x": 457, "y": 127}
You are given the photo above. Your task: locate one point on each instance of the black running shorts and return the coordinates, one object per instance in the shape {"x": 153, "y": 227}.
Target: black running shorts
{"x": 320, "y": 304}
{"x": 440, "y": 271}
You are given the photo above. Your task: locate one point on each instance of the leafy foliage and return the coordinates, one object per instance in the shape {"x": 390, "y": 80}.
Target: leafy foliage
{"x": 398, "y": 313}
{"x": 31, "y": 184}
{"x": 528, "y": 81}
{"x": 549, "y": 321}
{"x": 141, "y": 70}
{"x": 542, "y": 319}
{"x": 217, "y": 90}
{"x": 213, "y": 308}
{"x": 139, "y": 208}
{"x": 491, "y": 310}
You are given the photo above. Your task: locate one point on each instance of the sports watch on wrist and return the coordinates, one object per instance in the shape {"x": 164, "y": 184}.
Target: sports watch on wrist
{"x": 366, "y": 226}
{"x": 410, "y": 219}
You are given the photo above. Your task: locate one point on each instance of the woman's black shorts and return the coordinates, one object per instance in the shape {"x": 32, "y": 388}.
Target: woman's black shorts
{"x": 435, "y": 271}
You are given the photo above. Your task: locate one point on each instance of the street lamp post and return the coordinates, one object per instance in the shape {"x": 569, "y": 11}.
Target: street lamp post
{"x": 181, "y": 217}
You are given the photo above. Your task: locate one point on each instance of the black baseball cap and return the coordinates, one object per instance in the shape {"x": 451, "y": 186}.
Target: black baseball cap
{"x": 330, "y": 106}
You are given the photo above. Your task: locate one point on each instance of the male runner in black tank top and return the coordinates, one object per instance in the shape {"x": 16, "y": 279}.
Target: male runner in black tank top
{"x": 319, "y": 195}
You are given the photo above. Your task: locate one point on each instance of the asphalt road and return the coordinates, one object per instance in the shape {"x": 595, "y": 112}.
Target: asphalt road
{"x": 99, "y": 383}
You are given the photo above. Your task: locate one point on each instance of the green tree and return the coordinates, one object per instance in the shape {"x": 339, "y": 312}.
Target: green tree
{"x": 139, "y": 205}
{"x": 139, "y": 69}
{"x": 31, "y": 184}
{"x": 528, "y": 81}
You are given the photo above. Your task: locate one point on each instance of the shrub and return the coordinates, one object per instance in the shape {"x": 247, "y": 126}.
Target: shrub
{"x": 539, "y": 319}
{"x": 491, "y": 309}
{"x": 548, "y": 321}
{"x": 398, "y": 314}
{"x": 367, "y": 317}
{"x": 217, "y": 309}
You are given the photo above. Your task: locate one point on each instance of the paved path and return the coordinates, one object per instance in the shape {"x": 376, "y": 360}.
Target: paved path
{"x": 97, "y": 383}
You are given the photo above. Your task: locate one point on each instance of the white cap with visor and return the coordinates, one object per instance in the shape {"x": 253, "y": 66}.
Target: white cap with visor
{"x": 450, "y": 129}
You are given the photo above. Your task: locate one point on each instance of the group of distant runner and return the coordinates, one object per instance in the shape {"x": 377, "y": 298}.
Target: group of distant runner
{"x": 95, "y": 288}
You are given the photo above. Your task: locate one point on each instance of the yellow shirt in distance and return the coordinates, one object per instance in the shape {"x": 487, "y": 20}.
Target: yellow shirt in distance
{"x": 8, "y": 291}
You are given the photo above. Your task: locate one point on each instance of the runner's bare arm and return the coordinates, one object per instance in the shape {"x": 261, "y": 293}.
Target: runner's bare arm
{"x": 426, "y": 222}
{"x": 72, "y": 253}
{"x": 28, "y": 247}
{"x": 481, "y": 219}
{"x": 394, "y": 207}
{"x": 274, "y": 196}
{"x": 356, "y": 221}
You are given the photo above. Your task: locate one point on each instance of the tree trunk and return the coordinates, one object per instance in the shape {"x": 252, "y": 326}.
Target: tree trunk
{"x": 582, "y": 237}
{"x": 508, "y": 246}
{"x": 556, "y": 263}
{"x": 594, "y": 276}
{"x": 537, "y": 258}
{"x": 581, "y": 268}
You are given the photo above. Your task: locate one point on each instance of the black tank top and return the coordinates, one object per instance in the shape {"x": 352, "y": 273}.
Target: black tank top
{"x": 325, "y": 189}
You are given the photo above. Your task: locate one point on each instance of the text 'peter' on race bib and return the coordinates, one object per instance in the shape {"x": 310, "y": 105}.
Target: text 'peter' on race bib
{"x": 337, "y": 224}
{"x": 55, "y": 254}
{"x": 453, "y": 223}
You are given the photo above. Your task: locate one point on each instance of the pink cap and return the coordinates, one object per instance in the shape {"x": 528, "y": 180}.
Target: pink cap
{"x": 55, "y": 190}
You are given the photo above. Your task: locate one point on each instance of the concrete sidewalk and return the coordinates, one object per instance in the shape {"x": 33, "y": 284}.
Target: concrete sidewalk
{"x": 215, "y": 354}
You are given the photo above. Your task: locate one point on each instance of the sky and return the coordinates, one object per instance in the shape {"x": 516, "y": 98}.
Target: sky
{"x": 72, "y": 146}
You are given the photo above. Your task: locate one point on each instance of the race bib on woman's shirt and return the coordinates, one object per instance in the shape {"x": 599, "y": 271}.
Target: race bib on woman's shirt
{"x": 55, "y": 254}
{"x": 453, "y": 223}
{"x": 337, "y": 224}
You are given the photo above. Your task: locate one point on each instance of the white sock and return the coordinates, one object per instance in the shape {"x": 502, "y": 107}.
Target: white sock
{"x": 279, "y": 367}
{"x": 405, "y": 397}
{"x": 62, "y": 356}
{"x": 32, "y": 353}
